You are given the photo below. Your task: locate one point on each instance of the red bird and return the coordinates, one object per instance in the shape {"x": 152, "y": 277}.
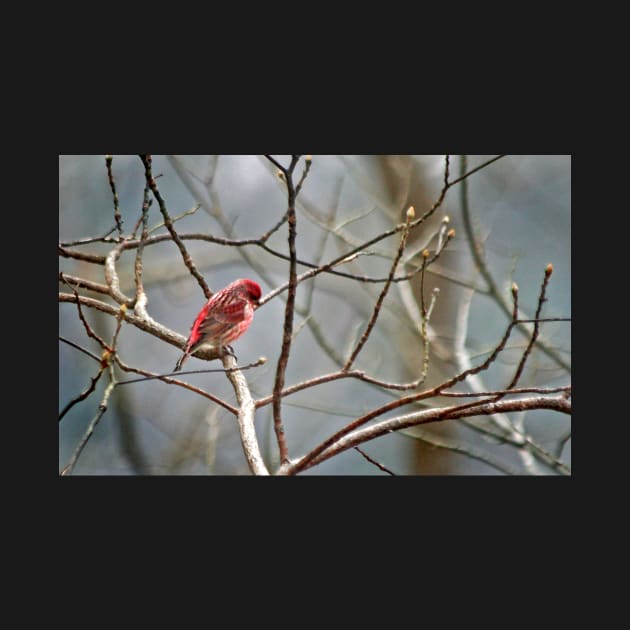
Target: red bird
{"x": 224, "y": 318}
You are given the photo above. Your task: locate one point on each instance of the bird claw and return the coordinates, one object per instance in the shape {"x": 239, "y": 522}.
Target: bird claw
{"x": 229, "y": 350}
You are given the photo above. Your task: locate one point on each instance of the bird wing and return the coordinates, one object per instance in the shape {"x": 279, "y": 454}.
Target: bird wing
{"x": 219, "y": 319}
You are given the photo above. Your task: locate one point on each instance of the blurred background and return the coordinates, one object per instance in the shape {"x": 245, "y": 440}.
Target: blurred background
{"x": 518, "y": 210}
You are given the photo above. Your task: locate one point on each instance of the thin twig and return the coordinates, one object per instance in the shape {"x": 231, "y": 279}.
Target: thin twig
{"x": 119, "y": 321}
{"x": 102, "y": 408}
{"x": 381, "y": 297}
{"x": 249, "y": 366}
{"x": 307, "y": 168}
{"x": 109, "y": 350}
{"x": 301, "y": 278}
{"x": 146, "y": 160}
{"x": 84, "y": 394}
{"x": 91, "y": 239}
{"x": 515, "y": 322}
{"x": 478, "y": 258}
{"x": 524, "y": 444}
{"x": 132, "y": 236}
{"x": 77, "y": 282}
{"x": 275, "y": 163}
{"x": 464, "y": 362}
{"x": 509, "y": 392}
{"x": 562, "y": 443}
{"x": 426, "y": 342}
{"x": 534, "y": 337}
{"x": 468, "y": 451}
{"x": 88, "y": 328}
{"x": 461, "y": 178}
{"x": 143, "y": 238}
{"x": 174, "y": 381}
{"x": 287, "y": 334}
{"x": 176, "y": 218}
{"x": 423, "y": 308}
{"x": 112, "y": 185}
{"x": 78, "y": 347}
{"x": 374, "y": 462}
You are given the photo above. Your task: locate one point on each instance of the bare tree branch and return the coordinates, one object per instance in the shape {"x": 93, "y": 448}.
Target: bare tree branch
{"x": 483, "y": 408}
{"x": 360, "y": 436}
{"x": 102, "y": 408}
{"x": 149, "y": 326}
{"x": 146, "y": 160}
{"x": 373, "y": 461}
{"x": 287, "y": 334}
{"x": 468, "y": 451}
{"x": 381, "y": 297}
{"x": 80, "y": 349}
{"x": 173, "y": 381}
{"x": 245, "y": 417}
{"x": 84, "y": 394}
{"x": 112, "y": 185}
{"x": 478, "y": 259}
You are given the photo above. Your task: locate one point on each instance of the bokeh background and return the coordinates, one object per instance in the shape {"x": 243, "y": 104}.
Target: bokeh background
{"x": 520, "y": 210}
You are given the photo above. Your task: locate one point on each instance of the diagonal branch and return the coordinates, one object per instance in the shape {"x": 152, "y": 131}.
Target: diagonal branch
{"x": 560, "y": 404}
{"x": 149, "y": 375}
{"x": 146, "y": 160}
{"x": 373, "y": 461}
{"x": 84, "y": 394}
{"x": 102, "y": 408}
{"x": 381, "y": 297}
{"x": 88, "y": 329}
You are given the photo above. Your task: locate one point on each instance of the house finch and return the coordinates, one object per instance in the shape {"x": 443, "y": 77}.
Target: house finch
{"x": 224, "y": 318}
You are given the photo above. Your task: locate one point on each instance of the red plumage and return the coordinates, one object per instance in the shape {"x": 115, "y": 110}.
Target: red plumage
{"x": 224, "y": 318}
